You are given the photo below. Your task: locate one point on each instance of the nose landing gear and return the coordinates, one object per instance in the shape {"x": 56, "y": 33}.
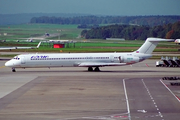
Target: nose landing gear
{"x": 13, "y": 70}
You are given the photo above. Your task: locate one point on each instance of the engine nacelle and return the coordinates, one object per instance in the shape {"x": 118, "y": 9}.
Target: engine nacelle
{"x": 129, "y": 59}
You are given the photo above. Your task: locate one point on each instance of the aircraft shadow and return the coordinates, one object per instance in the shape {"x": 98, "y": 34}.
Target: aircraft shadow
{"x": 78, "y": 71}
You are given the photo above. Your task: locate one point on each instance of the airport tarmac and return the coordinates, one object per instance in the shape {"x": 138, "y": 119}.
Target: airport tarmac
{"x": 133, "y": 92}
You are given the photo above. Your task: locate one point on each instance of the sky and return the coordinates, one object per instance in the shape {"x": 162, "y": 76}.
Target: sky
{"x": 93, "y": 7}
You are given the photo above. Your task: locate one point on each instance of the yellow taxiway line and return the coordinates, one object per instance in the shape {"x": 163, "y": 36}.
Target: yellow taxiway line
{"x": 2, "y": 66}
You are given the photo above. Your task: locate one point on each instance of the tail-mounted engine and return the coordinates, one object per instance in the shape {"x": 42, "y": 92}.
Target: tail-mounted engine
{"x": 128, "y": 59}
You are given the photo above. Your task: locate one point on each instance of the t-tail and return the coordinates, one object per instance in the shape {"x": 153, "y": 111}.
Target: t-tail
{"x": 150, "y": 44}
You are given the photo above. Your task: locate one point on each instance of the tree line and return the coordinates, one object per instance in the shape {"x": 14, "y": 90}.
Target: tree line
{"x": 132, "y": 32}
{"x": 136, "y": 20}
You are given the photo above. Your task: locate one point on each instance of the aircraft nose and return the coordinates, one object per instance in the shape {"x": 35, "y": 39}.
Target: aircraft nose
{"x": 8, "y": 64}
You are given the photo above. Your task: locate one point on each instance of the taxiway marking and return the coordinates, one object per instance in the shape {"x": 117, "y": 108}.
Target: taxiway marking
{"x": 127, "y": 101}
{"x": 2, "y": 66}
{"x": 170, "y": 91}
{"x": 160, "y": 114}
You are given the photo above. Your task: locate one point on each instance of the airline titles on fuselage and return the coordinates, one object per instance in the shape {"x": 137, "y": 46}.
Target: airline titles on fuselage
{"x": 39, "y": 57}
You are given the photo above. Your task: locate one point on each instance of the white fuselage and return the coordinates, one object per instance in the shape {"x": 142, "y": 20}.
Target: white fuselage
{"x": 75, "y": 59}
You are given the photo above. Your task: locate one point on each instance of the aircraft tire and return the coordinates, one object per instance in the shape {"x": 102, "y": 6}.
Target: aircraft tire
{"x": 90, "y": 69}
{"x": 97, "y": 69}
{"x": 13, "y": 70}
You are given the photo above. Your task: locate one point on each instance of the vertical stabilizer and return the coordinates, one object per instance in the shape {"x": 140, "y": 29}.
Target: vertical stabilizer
{"x": 150, "y": 44}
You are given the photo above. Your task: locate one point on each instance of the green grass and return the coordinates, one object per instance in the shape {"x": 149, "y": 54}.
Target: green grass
{"x": 32, "y": 30}
{"x": 102, "y": 46}
{"x": 98, "y": 44}
{"x": 70, "y": 32}
{"x": 9, "y": 55}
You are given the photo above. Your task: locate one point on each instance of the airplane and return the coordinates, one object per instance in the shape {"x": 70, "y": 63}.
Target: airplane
{"x": 11, "y": 48}
{"x": 47, "y": 34}
{"x": 60, "y": 41}
{"x": 177, "y": 41}
{"x": 30, "y": 40}
{"x": 90, "y": 60}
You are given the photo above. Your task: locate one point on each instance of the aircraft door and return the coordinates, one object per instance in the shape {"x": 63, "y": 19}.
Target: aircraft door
{"x": 112, "y": 58}
{"x": 23, "y": 60}
{"x": 120, "y": 59}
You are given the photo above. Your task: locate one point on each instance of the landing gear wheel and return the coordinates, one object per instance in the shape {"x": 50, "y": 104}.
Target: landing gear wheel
{"x": 97, "y": 69}
{"x": 13, "y": 70}
{"x": 90, "y": 69}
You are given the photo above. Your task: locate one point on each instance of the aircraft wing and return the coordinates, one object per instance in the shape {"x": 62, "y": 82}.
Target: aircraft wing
{"x": 98, "y": 64}
{"x": 11, "y": 48}
{"x": 6, "y": 48}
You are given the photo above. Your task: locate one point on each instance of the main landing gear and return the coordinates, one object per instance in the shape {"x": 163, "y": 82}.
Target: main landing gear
{"x": 13, "y": 70}
{"x": 96, "y": 69}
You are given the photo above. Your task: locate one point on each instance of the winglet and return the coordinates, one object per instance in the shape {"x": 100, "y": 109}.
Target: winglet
{"x": 38, "y": 44}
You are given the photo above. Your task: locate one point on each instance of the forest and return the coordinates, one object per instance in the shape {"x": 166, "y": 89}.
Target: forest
{"x": 127, "y": 27}
{"x": 133, "y": 32}
{"x": 126, "y": 20}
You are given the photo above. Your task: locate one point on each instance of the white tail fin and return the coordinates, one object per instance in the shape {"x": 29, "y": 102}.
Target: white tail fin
{"x": 150, "y": 44}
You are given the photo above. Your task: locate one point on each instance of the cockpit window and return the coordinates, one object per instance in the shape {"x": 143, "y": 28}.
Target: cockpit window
{"x": 16, "y": 58}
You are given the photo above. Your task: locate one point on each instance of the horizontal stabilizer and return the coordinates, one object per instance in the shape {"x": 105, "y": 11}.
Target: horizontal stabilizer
{"x": 159, "y": 40}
